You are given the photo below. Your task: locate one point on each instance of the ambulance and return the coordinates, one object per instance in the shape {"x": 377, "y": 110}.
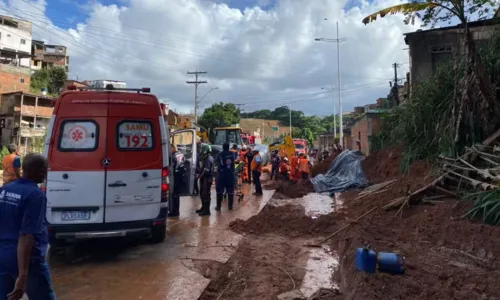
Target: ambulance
{"x": 108, "y": 152}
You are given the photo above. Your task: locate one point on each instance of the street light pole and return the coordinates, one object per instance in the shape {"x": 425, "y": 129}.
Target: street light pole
{"x": 198, "y": 101}
{"x": 341, "y": 133}
{"x": 337, "y": 40}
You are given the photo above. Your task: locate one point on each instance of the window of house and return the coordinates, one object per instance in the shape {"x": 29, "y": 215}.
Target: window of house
{"x": 78, "y": 136}
{"x": 22, "y": 80}
{"x": 135, "y": 135}
{"x": 23, "y": 42}
{"x": 440, "y": 55}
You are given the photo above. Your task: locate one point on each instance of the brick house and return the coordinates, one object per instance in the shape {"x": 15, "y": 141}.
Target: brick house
{"x": 24, "y": 117}
{"x": 47, "y": 56}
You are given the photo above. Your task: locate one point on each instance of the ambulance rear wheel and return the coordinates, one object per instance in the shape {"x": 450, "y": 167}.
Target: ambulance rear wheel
{"x": 158, "y": 234}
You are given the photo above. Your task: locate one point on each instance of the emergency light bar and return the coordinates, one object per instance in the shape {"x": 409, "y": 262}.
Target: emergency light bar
{"x": 109, "y": 87}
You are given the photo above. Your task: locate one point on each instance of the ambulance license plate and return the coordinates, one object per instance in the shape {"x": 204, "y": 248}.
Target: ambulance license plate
{"x": 75, "y": 215}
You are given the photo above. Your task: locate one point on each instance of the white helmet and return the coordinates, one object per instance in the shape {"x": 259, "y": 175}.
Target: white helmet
{"x": 244, "y": 147}
{"x": 285, "y": 159}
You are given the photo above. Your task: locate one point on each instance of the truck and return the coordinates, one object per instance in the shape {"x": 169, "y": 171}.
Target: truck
{"x": 300, "y": 145}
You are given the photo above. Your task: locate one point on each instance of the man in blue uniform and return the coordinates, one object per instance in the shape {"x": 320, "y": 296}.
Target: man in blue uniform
{"x": 206, "y": 179}
{"x": 23, "y": 235}
{"x": 225, "y": 176}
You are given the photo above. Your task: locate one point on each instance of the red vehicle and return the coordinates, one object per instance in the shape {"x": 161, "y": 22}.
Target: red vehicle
{"x": 300, "y": 145}
{"x": 247, "y": 139}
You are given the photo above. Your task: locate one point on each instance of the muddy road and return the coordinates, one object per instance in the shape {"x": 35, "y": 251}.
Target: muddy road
{"x": 136, "y": 269}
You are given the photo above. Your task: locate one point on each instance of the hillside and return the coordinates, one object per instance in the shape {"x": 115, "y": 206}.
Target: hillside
{"x": 265, "y": 127}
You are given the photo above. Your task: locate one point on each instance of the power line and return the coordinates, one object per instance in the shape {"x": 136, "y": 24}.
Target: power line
{"x": 196, "y": 82}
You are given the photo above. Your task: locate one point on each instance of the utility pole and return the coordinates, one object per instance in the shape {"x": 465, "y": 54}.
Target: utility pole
{"x": 196, "y": 82}
{"x": 290, "y": 109}
{"x": 395, "y": 91}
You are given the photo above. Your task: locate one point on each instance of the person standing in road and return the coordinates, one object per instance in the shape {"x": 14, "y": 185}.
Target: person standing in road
{"x": 275, "y": 164}
{"x": 11, "y": 165}
{"x": 179, "y": 170}
{"x": 24, "y": 235}
{"x": 256, "y": 172}
{"x": 225, "y": 177}
{"x": 249, "y": 163}
{"x": 206, "y": 179}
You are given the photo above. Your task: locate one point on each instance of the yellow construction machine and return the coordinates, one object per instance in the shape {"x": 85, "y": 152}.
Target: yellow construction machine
{"x": 286, "y": 147}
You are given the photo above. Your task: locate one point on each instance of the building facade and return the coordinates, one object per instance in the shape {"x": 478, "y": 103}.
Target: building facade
{"x": 23, "y": 118}
{"x": 102, "y": 83}
{"x": 47, "y": 56}
{"x": 430, "y": 48}
{"x": 15, "y": 54}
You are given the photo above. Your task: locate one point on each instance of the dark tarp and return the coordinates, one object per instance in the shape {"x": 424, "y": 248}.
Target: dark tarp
{"x": 345, "y": 173}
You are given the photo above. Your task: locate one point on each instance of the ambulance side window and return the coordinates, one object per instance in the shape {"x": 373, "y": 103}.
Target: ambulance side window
{"x": 78, "y": 135}
{"x": 135, "y": 135}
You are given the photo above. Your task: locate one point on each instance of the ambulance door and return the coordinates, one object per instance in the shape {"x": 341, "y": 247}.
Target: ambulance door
{"x": 185, "y": 141}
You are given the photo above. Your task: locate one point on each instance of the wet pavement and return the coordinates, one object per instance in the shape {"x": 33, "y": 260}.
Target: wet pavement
{"x": 136, "y": 269}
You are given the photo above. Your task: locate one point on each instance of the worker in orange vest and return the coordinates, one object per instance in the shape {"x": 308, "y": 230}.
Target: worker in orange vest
{"x": 243, "y": 157}
{"x": 284, "y": 168}
{"x": 256, "y": 171}
{"x": 304, "y": 166}
{"x": 293, "y": 166}
{"x": 11, "y": 165}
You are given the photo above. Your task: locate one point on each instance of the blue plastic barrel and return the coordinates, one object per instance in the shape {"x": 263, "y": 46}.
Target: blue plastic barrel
{"x": 391, "y": 263}
{"x": 366, "y": 260}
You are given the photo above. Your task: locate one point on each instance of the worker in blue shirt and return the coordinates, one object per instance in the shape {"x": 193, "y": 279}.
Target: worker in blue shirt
{"x": 23, "y": 235}
{"x": 225, "y": 176}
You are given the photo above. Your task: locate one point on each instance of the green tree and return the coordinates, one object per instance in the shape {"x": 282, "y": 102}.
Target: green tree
{"x": 220, "y": 114}
{"x": 51, "y": 78}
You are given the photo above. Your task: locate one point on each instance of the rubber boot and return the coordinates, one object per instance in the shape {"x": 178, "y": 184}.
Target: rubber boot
{"x": 230, "y": 200}
{"x": 202, "y": 207}
{"x": 219, "y": 202}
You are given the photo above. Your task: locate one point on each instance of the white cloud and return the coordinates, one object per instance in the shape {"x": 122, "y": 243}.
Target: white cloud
{"x": 268, "y": 57}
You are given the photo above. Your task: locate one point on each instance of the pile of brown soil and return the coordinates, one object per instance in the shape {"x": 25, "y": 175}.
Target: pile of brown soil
{"x": 261, "y": 268}
{"x": 385, "y": 164}
{"x": 287, "y": 220}
{"x": 322, "y": 167}
{"x": 447, "y": 257}
{"x": 295, "y": 190}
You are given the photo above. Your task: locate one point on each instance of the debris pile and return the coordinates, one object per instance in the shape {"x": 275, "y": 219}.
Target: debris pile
{"x": 477, "y": 170}
{"x": 323, "y": 166}
{"x": 286, "y": 220}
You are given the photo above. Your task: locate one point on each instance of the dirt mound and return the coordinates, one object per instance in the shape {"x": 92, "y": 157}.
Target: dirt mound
{"x": 447, "y": 257}
{"x": 295, "y": 190}
{"x": 385, "y": 164}
{"x": 322, "y": 167}
{"x": 287, "y": 220}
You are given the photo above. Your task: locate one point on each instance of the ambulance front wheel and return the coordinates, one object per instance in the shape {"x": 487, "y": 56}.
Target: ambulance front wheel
{"x": 158, "y": 233}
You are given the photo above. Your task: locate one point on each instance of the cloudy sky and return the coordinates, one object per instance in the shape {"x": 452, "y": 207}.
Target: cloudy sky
{"x": 258, "y": 53}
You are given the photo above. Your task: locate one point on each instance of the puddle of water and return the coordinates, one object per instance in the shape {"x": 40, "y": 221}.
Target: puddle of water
{"x": 320, "y": 266}
{"x": 315, "y": 204}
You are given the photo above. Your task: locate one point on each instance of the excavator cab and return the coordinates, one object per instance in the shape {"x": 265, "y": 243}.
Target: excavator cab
{"x": 231, "y": 135}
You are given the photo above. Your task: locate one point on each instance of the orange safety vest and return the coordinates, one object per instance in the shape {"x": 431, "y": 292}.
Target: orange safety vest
{"x": 304, "y": 165}
{"x": 9, "y": 174}
{"x": 242, "y": 155}
{"x": 256, "y": 166}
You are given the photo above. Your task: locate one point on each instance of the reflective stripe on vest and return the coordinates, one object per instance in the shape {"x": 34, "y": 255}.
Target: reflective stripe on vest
{"x": 256, "y": 166}
{"x": 9, "y": 174}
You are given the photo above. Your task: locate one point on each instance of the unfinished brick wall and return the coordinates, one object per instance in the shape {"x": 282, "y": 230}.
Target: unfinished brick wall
{"x": 13, "y": 81}
{"x": 367, "y": 126}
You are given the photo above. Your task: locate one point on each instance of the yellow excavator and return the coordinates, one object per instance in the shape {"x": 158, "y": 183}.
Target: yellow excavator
{"x": 286, "y": 147}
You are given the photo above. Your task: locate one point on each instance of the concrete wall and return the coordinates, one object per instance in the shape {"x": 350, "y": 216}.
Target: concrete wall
{"x": 430, "y": 48}
{"x": 14, "y": 79}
